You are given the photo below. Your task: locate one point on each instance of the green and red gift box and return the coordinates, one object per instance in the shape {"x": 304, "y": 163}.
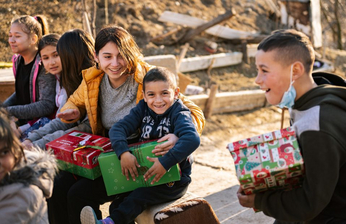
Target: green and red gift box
{"x": 268, "y": 161}
{"x": 77, "y": 152}
{"x": 116, "y": 182}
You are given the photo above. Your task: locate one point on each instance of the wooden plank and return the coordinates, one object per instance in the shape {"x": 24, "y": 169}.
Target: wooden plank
{"x": 204, "y": 26}
{"x": 6, "y": 84}
{"x": 232, "y": 101}
{"x": 203, "y": 62}
{"x": 217, "y": 30}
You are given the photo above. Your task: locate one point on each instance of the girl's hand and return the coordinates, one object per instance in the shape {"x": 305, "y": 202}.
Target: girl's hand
{"x": 166, "y": 146}
{"x": 246, "y": 200}
{"x": 157, "y": 169}
{"x": 27, "y": 144}
{"x": 129, "y": 164}
{"x": 69, "y": 114}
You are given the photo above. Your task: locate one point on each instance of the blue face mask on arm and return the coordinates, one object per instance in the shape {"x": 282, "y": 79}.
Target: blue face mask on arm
{"x": 289, "y": 96}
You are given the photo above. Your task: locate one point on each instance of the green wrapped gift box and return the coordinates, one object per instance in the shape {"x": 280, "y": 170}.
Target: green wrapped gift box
{"x": 116, "y": 182}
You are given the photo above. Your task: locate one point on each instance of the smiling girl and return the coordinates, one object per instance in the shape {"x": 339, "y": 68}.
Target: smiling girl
{"x": 34, "y": 91}
{"x": 64, "y": 58}
{"x": 107, "y": 93}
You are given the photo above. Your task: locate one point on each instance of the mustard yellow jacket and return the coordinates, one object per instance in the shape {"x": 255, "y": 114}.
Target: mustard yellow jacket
{"x": 86, "y": 96}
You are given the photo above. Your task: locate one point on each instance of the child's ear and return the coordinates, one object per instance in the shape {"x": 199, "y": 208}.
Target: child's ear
{"x": 96, "y": 57}
{"x": 298, "y": 70}
{"x": 34, "y": 39}
{"x": 144, "y": 97}
{"x": 176, "y": 93}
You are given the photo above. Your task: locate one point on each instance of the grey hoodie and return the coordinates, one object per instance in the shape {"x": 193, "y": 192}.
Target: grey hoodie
{"x": 24, "y": 191}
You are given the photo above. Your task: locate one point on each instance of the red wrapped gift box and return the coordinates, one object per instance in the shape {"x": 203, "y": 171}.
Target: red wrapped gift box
{"x": 77, "y": 152}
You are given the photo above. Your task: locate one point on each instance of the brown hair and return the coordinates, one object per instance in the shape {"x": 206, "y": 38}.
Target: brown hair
{"x": 160, "y": 74}
{"x": 9, "y": 138}
{"x": 291, "y": 45}
{"x": 33, "y": 25}
{"x": 76, "y": 51}
{"x": 126, "y": 44}
{"x": 48, "y": 40}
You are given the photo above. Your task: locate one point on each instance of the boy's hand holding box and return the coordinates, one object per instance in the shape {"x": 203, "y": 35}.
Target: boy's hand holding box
{"x": 116, "y": 182}
{"x": 269, "y": 161}
{"x": 77, "y": 152}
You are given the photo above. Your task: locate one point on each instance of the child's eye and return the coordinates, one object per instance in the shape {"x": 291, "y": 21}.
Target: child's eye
{"x": 4, "y": 152}
{"x": 56, "y": 55}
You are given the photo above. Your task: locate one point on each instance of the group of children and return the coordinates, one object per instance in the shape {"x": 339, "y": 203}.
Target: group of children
{"x": 105, "y": 87}
{"x": 97, "y": 83}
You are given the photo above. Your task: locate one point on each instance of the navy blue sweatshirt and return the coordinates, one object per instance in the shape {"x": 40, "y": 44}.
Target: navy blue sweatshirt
{"x": 177, "y": 120}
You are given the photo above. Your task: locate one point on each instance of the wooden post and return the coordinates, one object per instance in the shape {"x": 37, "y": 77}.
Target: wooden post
{"x": 182, "y": 55}
{"x": 244, "y": 50}
{"x": 86, "y": 24}
{"x": 94, "y": 19}
{"x": 106, "y": 12}
{"x": 209, "y": 105}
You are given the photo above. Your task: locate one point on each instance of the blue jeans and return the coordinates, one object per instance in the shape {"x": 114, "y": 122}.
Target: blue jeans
{"x": 127, "y": 206}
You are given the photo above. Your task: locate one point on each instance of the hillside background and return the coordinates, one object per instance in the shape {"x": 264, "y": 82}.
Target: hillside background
{"x": 140, "y": 18}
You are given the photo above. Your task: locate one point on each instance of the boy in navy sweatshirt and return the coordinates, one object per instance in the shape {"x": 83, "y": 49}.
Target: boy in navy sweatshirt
{"x": 158, "y": 114}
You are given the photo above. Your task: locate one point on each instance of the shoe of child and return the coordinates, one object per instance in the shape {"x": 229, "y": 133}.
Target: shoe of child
{"x": 88, "y": 216}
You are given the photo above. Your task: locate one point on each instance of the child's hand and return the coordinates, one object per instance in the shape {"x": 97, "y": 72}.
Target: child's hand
{"x": 129, "y": 164}
{"x": 157, "y": 169}
{"x": 246, "y": 200}
{"x": 69, "y": 114}
{"x": 27, "y": 144}
{"x": 163, "y": 148}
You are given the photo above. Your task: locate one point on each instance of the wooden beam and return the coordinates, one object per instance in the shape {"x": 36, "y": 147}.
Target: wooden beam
{"x": 227, "y": 102}
{"x": 217, "y": 30}
{"x": 193, "y": 32}
{"x": 203, "y": 62}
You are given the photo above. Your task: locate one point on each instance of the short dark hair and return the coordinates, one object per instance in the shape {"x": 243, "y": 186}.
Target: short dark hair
{"x": 160, "y": 74}
{"x": 292, "y": 45}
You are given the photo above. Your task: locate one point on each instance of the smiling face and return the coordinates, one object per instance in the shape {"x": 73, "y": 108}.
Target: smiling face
{"x": 272, "y": 76}
{"x": 20, "y": 41}
{"x": 7, "y": 160}
{"x": 113, "y": 64}
{"x": 51, "y": 60}
{"x": 160, "y": 96}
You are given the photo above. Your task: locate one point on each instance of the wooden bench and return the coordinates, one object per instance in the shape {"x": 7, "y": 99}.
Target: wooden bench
{"x": 190, "y": 209}
{"x": 6, "y": 84}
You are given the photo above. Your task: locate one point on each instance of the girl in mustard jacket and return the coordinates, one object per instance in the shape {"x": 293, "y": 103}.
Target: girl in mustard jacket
{"x": 107, "y": 93}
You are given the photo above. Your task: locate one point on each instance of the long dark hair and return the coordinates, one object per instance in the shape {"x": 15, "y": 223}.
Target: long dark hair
{"x": 48, "y": 40}
{"x": 8, "y": 137}
{"x": 127, "y": 46}
{"x": 76, "y": 51}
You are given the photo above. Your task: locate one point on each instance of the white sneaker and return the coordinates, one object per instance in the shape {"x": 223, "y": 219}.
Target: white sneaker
{"x": 88, "y": 216}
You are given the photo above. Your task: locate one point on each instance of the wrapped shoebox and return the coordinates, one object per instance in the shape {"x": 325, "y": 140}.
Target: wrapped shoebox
{"x": 77, "y": 152}
{"x": 269, "y": 161}
{"x": 116, "y": 182}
